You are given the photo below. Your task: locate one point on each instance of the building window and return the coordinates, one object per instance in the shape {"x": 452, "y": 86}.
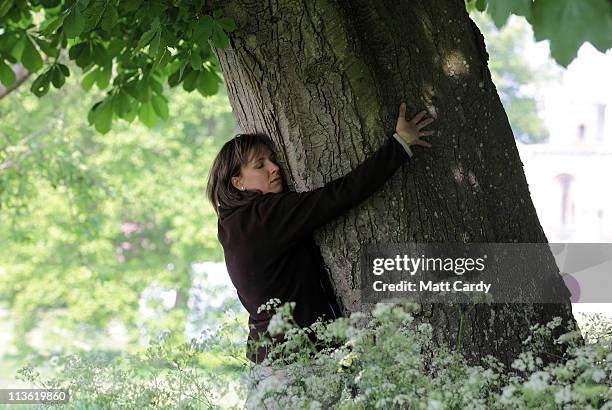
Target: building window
{"x": 566, "y": 182}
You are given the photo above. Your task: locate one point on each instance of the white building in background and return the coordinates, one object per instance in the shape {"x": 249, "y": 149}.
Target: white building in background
{"x": 570, "y": 176}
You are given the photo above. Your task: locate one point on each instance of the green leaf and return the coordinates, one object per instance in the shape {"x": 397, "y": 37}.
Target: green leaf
{"x": 85, "y": 57}
{"x": 7, "y": 75}
{"x": 115, "y": 47}
{"x": 163, "y": 57}
{"x": 481, "y": 5}
{"x": 147, "y": 114}
{"x": 100, "y": 55}
{"x": 130, "y": 5}
{"x": 40, "y": 86}
{"x": 89, "y": 79}
{"x": 121, "y": 104}
{"x": 64, "y": 69}
{"x": 74, "y": 23}
{"x": 93, "y": 14}
{"x": 49, "y": 4}
{"x": 91, "y": 115}
{"x": 190, "y": 82}
{"x": 76, "y": 50}
{"x": 208, "y": 83}
{"x": 569, "y": 23}
{"x": 203, "y": 30}
{"x": 160, "y": 105}
{"x": 104, "y": 76}
{"x": 175, "y": 78}
{"x": 103, "y": 116}
{"x": 500, "y": 10}
{"x": 5, "y": 6}
{"x": 139, "y": 90}
{"x": 144, "y": 91}
{"x": 154, "y": 46}
{"x": 196, "y": 60}
{"x": 156, "y": 86}
{"x": 220, "y": 39}
{"x": 57, "y": 77}
{"x": 18, "y": 46}
{"x": 132, "y": 90}
{"x": 46, "y": 47}
{"x": 146, "y": 39}
{"x": 110, "y": 19}
{"x": 226, "y": 24}
{"x": 8, "y": 41}
{"x": 131, "y": 114}
{"x": 184, "y": 70}
{"x": 31, "y": 58}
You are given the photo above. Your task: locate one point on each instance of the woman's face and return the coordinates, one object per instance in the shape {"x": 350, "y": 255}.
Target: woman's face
{"x": 260, "y": 174}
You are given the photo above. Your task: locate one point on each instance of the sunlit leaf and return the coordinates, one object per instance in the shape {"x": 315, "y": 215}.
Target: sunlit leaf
{"x": 7, "y": 75}
{"x": 147, "y": 114}
{"x": 74, "y": 23}
{"x": 31, "y": 58}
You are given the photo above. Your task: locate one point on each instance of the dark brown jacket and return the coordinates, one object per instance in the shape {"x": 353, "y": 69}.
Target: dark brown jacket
{"x": 269, "y": 250}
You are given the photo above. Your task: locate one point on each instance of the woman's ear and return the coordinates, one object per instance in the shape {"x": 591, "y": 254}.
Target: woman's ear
{"x": 237, "y": 183}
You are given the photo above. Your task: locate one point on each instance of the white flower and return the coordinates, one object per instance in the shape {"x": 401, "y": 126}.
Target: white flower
{"x": 277, "y": 325}
{"x": 507, "y": 394}
{"x": 424, "y": 328}
{"x": 553, "y": 324}
{"x": 381, "y": 308}
{"x": 269, "y": 305}
{"x": 434, "y": 405}
{"x": 564, "y": 395}
{"x": 538, "y": 381}
{"x": 315, "y": 405}
{"x": 519, "y": 364}
{"x": 598, "y": 376}
{"x": 358, "y": 377}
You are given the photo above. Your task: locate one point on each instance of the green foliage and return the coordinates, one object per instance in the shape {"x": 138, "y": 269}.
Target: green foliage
{"x": 128, "y": 48}
{"x": 87, "y": 222}
{"x": 569, "y": 23}
{"x": 131, "y": 48}
{"x": 385, "y": 360}
{"x": 390, "y": 361}
{"x": 166, "y": 375}
{"x": 566, "y": 23}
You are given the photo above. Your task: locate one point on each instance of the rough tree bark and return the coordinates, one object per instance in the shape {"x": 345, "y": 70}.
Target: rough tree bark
{"x": 325, "y": 78}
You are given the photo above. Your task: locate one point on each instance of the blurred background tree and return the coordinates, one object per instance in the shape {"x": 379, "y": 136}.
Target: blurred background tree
{"x": 517, "y": 79}
{"x": 88, "y": 222}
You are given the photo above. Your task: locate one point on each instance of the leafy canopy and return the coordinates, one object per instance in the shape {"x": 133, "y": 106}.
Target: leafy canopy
{"x": 88, "y": 222}
{"x": 566, "y": 23}
{"x": 130, "y": 48}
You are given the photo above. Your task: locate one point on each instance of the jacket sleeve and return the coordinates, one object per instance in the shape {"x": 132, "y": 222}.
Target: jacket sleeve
{"x": 288, "y": 216}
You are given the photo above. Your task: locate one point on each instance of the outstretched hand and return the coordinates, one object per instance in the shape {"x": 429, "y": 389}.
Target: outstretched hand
{"x": 411, "y": 131}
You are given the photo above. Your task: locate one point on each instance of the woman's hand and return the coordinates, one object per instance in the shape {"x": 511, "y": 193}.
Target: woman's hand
{"x": 410, "y": 131}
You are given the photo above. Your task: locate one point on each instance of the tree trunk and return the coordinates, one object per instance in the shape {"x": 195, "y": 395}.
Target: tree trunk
{"x": 325, "y": 79}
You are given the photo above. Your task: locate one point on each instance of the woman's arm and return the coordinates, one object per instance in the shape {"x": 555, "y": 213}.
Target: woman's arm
{"x": 289, "y": 216}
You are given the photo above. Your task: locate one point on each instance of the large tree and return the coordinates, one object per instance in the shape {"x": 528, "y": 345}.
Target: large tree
{"x": 324, "y": 80}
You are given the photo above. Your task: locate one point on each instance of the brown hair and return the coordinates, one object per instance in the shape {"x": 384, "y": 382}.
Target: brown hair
{"x": 233, "y": 155}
